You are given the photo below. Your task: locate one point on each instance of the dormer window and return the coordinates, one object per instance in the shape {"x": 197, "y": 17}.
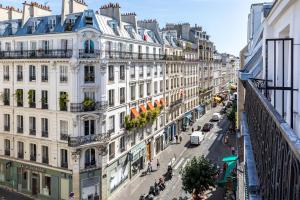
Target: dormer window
{"x": 70, "y": 23}
{"x": 151, "y": 34}
{"x": 51, "y": 24}
{"x": 129, "y": 29}
{"x": 114, "y": 26}
{"x": 88, "y": 20}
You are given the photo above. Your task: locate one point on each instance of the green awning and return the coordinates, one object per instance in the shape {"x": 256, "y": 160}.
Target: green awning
{"x": 229, "y": 158}
{"x": 230, "y": 166}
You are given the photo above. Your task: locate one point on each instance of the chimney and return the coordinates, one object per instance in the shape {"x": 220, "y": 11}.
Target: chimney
{"x": 113, "y": 11}
{"x": 130, "y": 18}
{"x": 72, "y": 6}
{"x": 9, "y": 13}
{"x": 34, "y": 9}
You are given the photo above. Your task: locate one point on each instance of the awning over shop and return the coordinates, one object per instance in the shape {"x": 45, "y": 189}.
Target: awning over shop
{"x": 150, "y": 106}
{"x": 229, "y": 158}
{"x": 188, "y": 115}
{"x": 162, "y": 101}
{"x": 134, "y": 113}
{"x": 142, "y": 108}
{"x": 200, "y": 109}
{"x": 156, "y": 102}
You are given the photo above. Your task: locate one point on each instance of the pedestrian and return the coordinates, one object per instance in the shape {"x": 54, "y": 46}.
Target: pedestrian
{"x": 192, "y": 129}
{"x": 224, "y": 167}
{"x": 157, "y": 164}
{"x": 149, "y": 167}
{"x": 232, "y": 150}
{"x": 180, "y": 138}
{"x": 176, "y": 139}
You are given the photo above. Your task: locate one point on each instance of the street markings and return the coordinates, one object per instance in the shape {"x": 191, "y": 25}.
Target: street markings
{"x": 179, "y": 163}
{"x": 187, "y": 160}
{"x": 219, "y": 137}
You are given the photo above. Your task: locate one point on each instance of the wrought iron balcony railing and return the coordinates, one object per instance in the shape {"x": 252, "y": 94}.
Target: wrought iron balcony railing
{"x": 175, "y": 103}
{"x": 79, "y": 107}
{"x": 32, "y": 54}
{"x": 89, "y": 53}
{"x": 81, "y": 140}
{"x": 64, "y": 136}
{"x": 90, "y": 164}
{"x": 276, "y": 148}
{"x": 132, "y": 55}
{"x": 7, "y": 152}
{"x": 64, "y": 164}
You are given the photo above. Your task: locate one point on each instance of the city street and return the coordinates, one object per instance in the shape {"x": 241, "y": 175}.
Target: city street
{"x": 212, "y": 147}
{"x": 9, "y": 195}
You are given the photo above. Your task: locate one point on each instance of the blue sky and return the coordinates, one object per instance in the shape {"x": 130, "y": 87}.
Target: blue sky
{"x": 224, "y": 20}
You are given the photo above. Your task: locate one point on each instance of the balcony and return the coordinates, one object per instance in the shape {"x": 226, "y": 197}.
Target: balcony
{"x": 7, "y": 152}
{"x": 81, "y": 140}
{"x": 45, "y": 160}
{"x": 21, "y": 155}
{"x": 32, "y": 132}
{"x": 45, "y": 134}
{"x": 33, "y": 54}
{"x": 132, "y": 56}
{"x": 6, "y": 127}
{"x": 176, "y": 103}
{"x": 272, "y": 149}
{"x": 79, "y": 107}
{"x": 89, "y": 54}
{"x": 19, "y": 129}
{"x": 20, "y": 77}
{"x": 44, "y": 106}
{"x": 90, "y": 164}
{"x": 64, "y": 136}
{"x": 32, "y": 105}
{"x": 64, "y": 165}
{"x": 33, "y": 157}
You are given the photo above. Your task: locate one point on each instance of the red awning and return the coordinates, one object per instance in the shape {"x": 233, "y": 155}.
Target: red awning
{"x": 157, "y": 103}
{"x": 142, "y": 108}
{"x": 150, "y": 106}
{"x": 134, "y": 113}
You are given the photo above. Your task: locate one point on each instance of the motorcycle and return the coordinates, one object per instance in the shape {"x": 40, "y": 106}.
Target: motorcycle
{"x": 146, "y": 197}
{"x": 161, "y": 184}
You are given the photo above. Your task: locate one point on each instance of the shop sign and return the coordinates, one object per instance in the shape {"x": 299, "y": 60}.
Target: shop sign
{"x": 135, "y": 151}
{"x": 33, "y": 168}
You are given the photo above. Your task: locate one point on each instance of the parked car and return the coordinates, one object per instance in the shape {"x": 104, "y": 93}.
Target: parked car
{"x": 207, "y": 127}
{"x": 216, "y": 117}
{"x": 197, "y": 137}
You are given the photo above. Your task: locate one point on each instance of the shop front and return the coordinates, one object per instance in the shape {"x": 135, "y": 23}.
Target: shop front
{"x": 170, "y": 133}
{"x": 187, "y": 120}
{"x": 34, "y": 180}
{"x": 137, "y": 159}
{"x": 199, "y": 111}
{"x": 159, "y": 142}
{"x": 117, "y": 173}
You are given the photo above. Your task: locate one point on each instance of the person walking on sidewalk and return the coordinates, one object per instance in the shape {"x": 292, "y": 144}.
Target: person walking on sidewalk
{"x": 157, "y": 164}
{"x": 180, "y": 138}
{"x": 149, "y": 168}
{"x": 232, "y": 150}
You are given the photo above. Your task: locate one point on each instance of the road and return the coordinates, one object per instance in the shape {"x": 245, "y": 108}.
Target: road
{"x": 9, "y": 195}
{"x": 211, "y": 147}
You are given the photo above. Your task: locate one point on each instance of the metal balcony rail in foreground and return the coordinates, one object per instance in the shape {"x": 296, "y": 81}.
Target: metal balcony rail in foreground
{"x": 276, "y": 148}
{"x": 79, "y": 107}
{"x": 81, "y": 140}
{"x": 32, "y": 54}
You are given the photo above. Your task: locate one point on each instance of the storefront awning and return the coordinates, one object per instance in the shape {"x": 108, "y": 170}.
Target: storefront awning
{"x": 142, "y": 108}
{"x": 162, "y": 101}
{"x": 134, "y": 113}
{"x": 200, "y": 109}
{"x": 156, "y": 102}
{"x": 150, "y": 106}
{"x": 188, "y": 115}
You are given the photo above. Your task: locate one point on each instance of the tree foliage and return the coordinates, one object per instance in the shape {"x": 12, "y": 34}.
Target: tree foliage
{"x": 198, "y": 175}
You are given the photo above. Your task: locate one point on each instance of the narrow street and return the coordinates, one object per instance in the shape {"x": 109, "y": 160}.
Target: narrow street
{"x": 211, "y": 147}
{"x": 9, "y": 195}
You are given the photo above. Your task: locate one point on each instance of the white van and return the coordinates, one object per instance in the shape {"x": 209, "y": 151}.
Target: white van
{"x": 197, "y": 137}
{"x": 216, "y": 117}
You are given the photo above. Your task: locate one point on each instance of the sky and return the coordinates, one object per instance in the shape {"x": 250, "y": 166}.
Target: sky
{"x": 224, "y": 20}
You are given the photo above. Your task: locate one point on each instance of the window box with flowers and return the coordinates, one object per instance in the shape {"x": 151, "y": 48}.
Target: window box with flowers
{"x": 88, "y": 104}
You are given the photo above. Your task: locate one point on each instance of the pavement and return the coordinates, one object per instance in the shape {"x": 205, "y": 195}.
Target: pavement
{"x": 8, "y": 194}
{"x": 212, "y": 147}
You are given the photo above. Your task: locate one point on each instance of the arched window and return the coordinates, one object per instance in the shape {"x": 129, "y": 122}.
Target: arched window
{"x": 89, "y": 46}
{"x": 90, "y": 159}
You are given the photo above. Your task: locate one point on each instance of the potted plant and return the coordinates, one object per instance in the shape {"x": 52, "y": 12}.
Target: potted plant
{"x": 63, "y": 100}
{"x": 88, "y": 104}
{"x": 19, "y": 95}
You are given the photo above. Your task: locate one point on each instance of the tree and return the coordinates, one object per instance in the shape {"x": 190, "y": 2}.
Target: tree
{"x": 198, "y": 175}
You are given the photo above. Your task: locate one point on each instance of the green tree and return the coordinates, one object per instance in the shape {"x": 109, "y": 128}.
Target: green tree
{"x": 198, "y": 175}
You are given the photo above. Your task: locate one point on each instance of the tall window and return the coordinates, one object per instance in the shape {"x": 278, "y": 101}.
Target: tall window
{"x": 32, "y": 73}
{"x": 122, "y": 72}
{"x": 45, "y": 154}
{"x": 89, "y": 74}
{"x": 141, "y": 88}
{"x": 63, "y": 70}
{"x": 64, "y": 158}
{"x": 148, "y": 70}
{"x": 111, "y": 150}
{"x": 161, "y": 86}
{"x": 6, "y": 97}
{"x": 7, "y": 147}
{"x": 19, "y": 97}
{"x": 6, "y": 122}
{"x": 44, "y": 73}
{"x": 141, "y": 71}
{"x": 44, "y": 122}
{"x": 20, "y": 150}
{"x": 122, "y": 144}
{"x": 111, "y": 75}
{"x": 111, "y": 124}
{"x": 89, "y": 127}
{"x": 90, "y": 158}
{"x": 19, "y": 73}
{"x": 111, "y": 96}
{"x": 63, "y": 130}
{"x": 6, "y": 73}
{"x": 122, "y": 119}
{"x": 155, "y": 87}
{"x": 20, "y": 124}
{"x": 132, "y": 72}
{"x": 46, "y": 46}
{"x": 148, "y": 89}
{"x": 89, "y": 46}
{"x": 132, "y": 92}
{"x": 33, "y": 152}
{"x": 122, "y": 95}
{"x": 155, "y": 70}
{"x": 44, "y": 99}
{"x": 31, "y": 98}
{"x": 32, "y": 126}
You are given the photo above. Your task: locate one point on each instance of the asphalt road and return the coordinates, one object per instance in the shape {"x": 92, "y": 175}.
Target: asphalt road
{"x": 6, "y": 194}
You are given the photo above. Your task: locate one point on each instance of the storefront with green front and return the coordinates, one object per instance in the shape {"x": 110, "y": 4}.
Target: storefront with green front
{"x": 90, "y": 184}
{"x": 36, "y": 180}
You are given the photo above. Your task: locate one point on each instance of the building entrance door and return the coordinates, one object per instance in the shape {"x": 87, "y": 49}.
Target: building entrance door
{"x": 148, "y": 147}
{"x": 34, "y": 184}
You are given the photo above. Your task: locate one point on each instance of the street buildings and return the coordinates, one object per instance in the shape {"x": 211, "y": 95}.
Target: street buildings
{"x": 268, "y": 102}
{"x": 88, "y": 98}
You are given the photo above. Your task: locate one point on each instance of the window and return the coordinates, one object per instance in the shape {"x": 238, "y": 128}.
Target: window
{"x": 32, "y": 126}
{"x": 148, "y": 89}
{"x": 33, "y": 152}
{"x": 155, "y": 70}
{"x": 63, "y": 130}
{"x": 64, "y": 158}
{"x": 44, "y": 127}
{"x": 122, "y": 144}
{"x": 46, "y": 46}
{"x": 155, "y": 87}
{"x": 7, "y": 46}
{"x": 111, "y": 96}
{"x": 6, "y": 73}
{"x": 6, "y": 122}
{"x": 122, "y": 72}
{"x": 31, "y": 98}
{"x": 147, "y": 52}
{"x": 132, "y": 138}
{"x": 89, "y": 95}
{"x": 89, "y": 74}
{"x": 63, "y": 100}
{"x": 19, "y": 73}
{"x": 51, "y": 24}
{"x": 7, "y": 147}
{"x": 20, "y": 123}
{"x": 111, "y": 124}
{"x": 89, "y": 46}
{"x": 161, "y": 88}
{"x": 132, "y": 92}
{"x": 90, "y": 158}
{"x": 32, "y": 74}
{"x": 6, "y": 97}
{"x": 122, "y": 95}
{"x": 141, "y": 71}
{"x": 44, "y": 99}
{"x": 122, "y": 120}
{"x": 89, "y": 127}
{"x": 45, "y": 155}
{"x": 111, "y": 150}
{"x": 63, "y": 70}
{"x": 141, "y": 88}
{"x": 111, "y": 73}
{"x": 148, "y": 70}
{"x": 161, "y": 70}
{"x": 132, "y": 72}
{"x": 20, "y": 150}
{"x": 44, "y": 73}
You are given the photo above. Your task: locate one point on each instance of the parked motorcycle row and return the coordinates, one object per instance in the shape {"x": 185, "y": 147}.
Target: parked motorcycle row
{"x": 159, "y": 186}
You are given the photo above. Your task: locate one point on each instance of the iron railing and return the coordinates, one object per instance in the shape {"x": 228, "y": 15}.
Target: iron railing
{"x": 89, "y": 54}
{"x": 175, "y": 103}
{"x": 81, "y": 140}
{"x": 132, "y": 55}
{"x": 79, "y": 107}
{"x": 276, "y": 148}
{"x": 32, "y": 54}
